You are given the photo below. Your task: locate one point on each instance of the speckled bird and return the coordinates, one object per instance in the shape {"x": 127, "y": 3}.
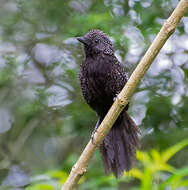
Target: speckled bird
{"x": 102, "y": 77}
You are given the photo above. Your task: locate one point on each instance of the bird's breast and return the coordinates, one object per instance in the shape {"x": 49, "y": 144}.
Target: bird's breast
{"x": 98, "y": 69}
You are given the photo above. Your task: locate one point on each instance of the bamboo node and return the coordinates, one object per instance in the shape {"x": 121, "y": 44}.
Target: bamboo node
{"x": 169, "y": 26}
{"x": 78, "y": 170}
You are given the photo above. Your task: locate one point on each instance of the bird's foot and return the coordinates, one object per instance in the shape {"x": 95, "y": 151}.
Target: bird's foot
{"x": 92, "y": 137}
{"x": 95, "y": 130}
{"x": 115, "y": 97}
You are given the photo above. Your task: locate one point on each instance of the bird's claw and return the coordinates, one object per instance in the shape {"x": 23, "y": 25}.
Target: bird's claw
{"x": 95, "y": 130}
{"x": 116, "y": 97}
{"x": 92, "y": 138}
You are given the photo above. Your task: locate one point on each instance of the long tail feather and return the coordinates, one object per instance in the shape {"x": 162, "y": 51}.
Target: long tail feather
{"x": 119, "y": 146}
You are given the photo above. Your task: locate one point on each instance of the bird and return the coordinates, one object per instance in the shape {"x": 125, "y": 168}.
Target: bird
{"x": 102, "y": 77}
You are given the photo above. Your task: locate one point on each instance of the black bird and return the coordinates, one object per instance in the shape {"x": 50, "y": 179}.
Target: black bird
{"x": 102, "y": 77}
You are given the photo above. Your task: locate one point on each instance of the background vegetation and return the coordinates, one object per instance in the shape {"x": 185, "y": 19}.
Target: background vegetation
{"x": 44, "y": 121}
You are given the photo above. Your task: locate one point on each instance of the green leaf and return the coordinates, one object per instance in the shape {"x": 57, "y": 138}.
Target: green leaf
{"x": 183, "y": 183}
{"x": 176, "y": 179}
{"x": 40, "y": 187}
{"x": 146, "y": 182}
{"x": 167, "y": 154}
{"x": 155, "y": 155}
{"x": 135, "y": 173}
{"x": 61, "y": 175}
{"x": 144, "y": 158}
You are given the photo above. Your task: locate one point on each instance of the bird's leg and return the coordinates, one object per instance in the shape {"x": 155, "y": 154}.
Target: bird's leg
{"x": 95, "y": 129}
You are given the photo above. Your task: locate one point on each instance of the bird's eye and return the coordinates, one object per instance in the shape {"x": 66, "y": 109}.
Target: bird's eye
{"x": 96, "y": 41}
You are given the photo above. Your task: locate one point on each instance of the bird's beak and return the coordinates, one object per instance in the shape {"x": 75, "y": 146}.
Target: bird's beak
{"x": 83, "y": 40}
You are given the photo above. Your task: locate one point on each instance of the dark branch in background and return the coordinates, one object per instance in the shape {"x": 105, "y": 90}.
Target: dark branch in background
{"x": 123, "y": 98}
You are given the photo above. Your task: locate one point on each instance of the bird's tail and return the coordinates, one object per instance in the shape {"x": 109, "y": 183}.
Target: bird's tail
{"x": 119, "y": 146}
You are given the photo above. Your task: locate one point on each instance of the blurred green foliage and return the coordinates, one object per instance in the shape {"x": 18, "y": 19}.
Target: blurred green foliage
{"x": 156, "y": 173}
{"x": 45, "y": 122}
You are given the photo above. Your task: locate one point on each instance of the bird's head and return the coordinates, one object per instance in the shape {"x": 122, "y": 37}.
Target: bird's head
{"x": 96, "y": 42}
